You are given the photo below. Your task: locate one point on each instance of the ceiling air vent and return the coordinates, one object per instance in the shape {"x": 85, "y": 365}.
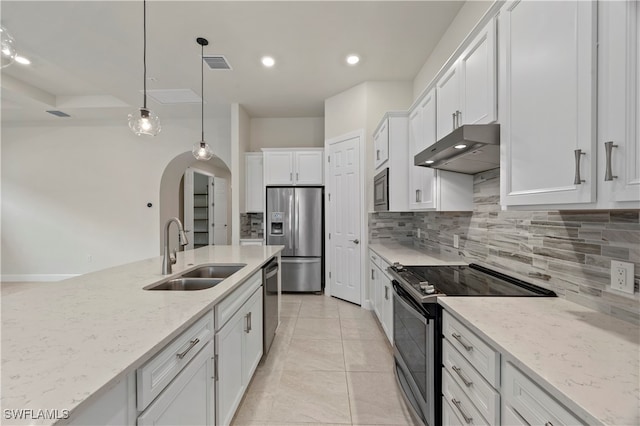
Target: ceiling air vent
{"x": 217, "y": 62}
{"x": 58, "y": 113}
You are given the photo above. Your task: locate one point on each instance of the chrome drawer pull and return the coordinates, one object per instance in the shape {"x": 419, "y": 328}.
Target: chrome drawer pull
{"x": 246, "y": 323}
{"x": 577, "y": 180}
{"x": 467, "y": 419}
{"x": 191, "y": 345}
{"x": 459, "y": 339}
{"x": 459, "y": 373}
{"x": 608, "y": 174}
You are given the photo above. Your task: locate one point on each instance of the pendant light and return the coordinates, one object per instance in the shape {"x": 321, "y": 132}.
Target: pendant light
{"x": 144, "y": 121}
{"x": 7, "y": 49}
{"x": 202, "y": 150}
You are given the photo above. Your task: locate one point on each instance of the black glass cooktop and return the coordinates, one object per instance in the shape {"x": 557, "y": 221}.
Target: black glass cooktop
{"x": 472, "y": 280}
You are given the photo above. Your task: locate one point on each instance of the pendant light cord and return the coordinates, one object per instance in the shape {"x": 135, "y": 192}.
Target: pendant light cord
{"x": 202, "y": 88}
{"x": 144, "y": 51}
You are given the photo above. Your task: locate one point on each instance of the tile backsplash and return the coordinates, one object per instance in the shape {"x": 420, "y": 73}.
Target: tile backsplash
{"x": 567, "y": 251}
{"x": 251, "y": 225}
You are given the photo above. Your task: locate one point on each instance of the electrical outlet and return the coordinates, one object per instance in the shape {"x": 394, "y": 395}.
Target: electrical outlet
{"x": 622, "y": 276}
{"x": 456, "y": 241}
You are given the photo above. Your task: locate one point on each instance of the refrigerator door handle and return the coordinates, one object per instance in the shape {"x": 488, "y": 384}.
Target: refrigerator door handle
{"x": 293, "y": 217}
{"x": 296, "y": 241}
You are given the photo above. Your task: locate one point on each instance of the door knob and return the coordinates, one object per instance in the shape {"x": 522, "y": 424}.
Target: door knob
{"x": 356, "y": 241}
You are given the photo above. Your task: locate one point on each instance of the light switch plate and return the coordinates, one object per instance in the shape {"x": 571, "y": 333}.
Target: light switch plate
{"x": 622, "y": 276}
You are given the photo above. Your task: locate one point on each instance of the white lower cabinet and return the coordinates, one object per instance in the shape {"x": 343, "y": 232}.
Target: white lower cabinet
{"x": 117, "y": 406}
{"x": 239, "y": 349}
{"x": 188, "y": 400}
{"x": 381, "y": 294}
{"x": 480, "y": 386}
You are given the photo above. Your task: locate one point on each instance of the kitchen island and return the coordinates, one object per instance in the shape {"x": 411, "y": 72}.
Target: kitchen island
{"x": 65, "y": 344}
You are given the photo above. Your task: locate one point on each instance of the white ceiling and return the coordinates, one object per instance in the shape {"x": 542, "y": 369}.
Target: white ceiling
{"x": 87, "y": 55}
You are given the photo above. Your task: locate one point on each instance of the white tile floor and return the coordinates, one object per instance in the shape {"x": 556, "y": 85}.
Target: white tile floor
{"x": 330, "y": 363}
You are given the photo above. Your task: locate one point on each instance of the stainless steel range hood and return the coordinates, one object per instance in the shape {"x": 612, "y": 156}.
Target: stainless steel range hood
{"x": 470, "y": 149}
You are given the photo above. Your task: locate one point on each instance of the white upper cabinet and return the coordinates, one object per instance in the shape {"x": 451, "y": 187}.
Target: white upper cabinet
{"x": 547, "y": 58}
{"x": 394, "y": 127}
{"x": 619, "y": 103}
{"x": 381, "y": 145}
{"x": 254, "y": 190}
{"x": 466, "y": 93}
{"x": 431, "y": 189}
{"x": 422, "y": 134}
{"x": 293, "y": 167}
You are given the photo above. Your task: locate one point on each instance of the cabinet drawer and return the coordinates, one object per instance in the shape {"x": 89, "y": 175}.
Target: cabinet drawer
{"x": 531, "y": 402}
{"x": 482, "y": 356}
{"x": 481, "y": 394}
{"x": 233, "y": 302}
{"x": 460, "y": 403}
{"x": 156, "y": 374}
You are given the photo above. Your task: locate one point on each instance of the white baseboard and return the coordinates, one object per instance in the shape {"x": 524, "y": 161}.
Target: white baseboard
{"x": 35, "y": 277}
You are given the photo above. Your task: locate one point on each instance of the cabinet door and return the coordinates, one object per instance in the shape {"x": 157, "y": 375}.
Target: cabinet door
{"x": 188, "y": 399}
{"x": 387, "y": 308}
{"x": 372, "y": 281}
{"x": 252, "y": 351}
{"x": 254, "y": 183}
{"x": 478, "y": 79}
{"x": 448, "y": 100}
{"x": 278, "y": 168}
{"x": 547, "y": 97}
{"x": 422, "y": 134}
{"x": 381, "y": 143}
{"x": 309, "y": 168}
{"x": 231, "y": 384}
{"x": 619, "y": 98}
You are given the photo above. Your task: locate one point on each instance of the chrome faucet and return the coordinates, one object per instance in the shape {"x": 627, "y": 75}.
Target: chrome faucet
{"x": 169, "y": 260}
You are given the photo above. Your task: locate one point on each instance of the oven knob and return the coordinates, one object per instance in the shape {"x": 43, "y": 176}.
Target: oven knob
{"x": 398, "y": 266}
{"x": 427, "y": 288}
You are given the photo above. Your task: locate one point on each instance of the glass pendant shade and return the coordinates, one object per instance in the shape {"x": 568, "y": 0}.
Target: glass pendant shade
{"x": 7, "y": 48}
{"x": 202, "y": 151}
{"x": 144, "y": 122}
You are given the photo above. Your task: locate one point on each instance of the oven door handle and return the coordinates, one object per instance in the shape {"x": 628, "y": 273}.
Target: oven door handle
{"x": 397, "y": 291}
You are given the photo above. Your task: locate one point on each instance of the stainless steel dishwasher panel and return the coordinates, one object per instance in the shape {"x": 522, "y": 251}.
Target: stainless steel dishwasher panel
{"x": 270, "y": 304}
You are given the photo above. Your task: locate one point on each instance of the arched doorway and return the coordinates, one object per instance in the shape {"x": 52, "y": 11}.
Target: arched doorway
{"x": 172, "y": 189}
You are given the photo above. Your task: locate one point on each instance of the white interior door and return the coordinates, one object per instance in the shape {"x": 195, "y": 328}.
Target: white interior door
{"x": 219, "y": 211}
{"x": 345, "y": 219}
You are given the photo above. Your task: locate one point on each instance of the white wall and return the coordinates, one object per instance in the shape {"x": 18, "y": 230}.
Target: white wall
{"x": 240, "y": 130}
{"x": 289, "y": 132}
{"x": 74, "y": 198}
{"x": 460, "y": 27}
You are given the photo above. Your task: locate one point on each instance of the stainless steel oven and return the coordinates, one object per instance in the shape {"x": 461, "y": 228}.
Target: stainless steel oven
{"x": 381, "y": 191}
{"x": 415, "y": 336}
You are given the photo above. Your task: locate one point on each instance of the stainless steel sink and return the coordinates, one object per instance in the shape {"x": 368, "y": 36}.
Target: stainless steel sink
{"x": 185, "y": 284}
{"x": 214, "y": 271}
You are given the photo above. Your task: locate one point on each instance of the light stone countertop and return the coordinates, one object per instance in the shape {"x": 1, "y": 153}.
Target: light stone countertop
{"x": 65, "y": 343}
{"x": 587, "y": 360}
{"x": 411, "y": 256}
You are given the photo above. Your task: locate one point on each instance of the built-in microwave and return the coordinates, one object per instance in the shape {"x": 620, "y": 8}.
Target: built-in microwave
{"x": 381, "y": 191}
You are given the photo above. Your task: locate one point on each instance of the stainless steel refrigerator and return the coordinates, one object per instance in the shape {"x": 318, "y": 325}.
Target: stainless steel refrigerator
{"x": 295, "y": 220}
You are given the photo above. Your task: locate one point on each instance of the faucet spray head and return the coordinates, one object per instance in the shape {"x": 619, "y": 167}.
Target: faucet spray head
{"x": 182, "y": 237}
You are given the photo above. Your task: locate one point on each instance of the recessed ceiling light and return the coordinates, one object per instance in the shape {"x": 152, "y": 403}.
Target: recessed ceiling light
{"x": 22, "y": 60}
{"x": 353, "y": 59}
{"x": 268, "y": 61}
{"x": 428, "y": 162}
{"x": 461, "y": 146}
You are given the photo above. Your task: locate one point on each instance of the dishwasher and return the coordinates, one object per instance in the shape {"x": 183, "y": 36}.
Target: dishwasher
{"x": 270, "y": 304}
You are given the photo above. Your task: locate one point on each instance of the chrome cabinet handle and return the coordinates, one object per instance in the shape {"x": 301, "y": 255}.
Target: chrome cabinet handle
{"x": 372, "y": 277}
{"x": 458, "y": 371}
{"x": 453, "y": 116}
{"x": 418, "y": 195}
{"x": 356, "y": 241}
{"x": 458, "y": 118}
{"x": 191, "y": 345}
{"x": 377, "y": 154}
{"x": 386, "y": 293}
{"x": 577, "y": 180}
{"x": 291, "y": 176}
{"x": 459, "y": 339}
{"x": 297, "y": 178}
{"x": 458, "y": 405}
{"x": 246, "y": 323}
{"x": 608, "y": 175}
{"x": 250, "y": 322}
